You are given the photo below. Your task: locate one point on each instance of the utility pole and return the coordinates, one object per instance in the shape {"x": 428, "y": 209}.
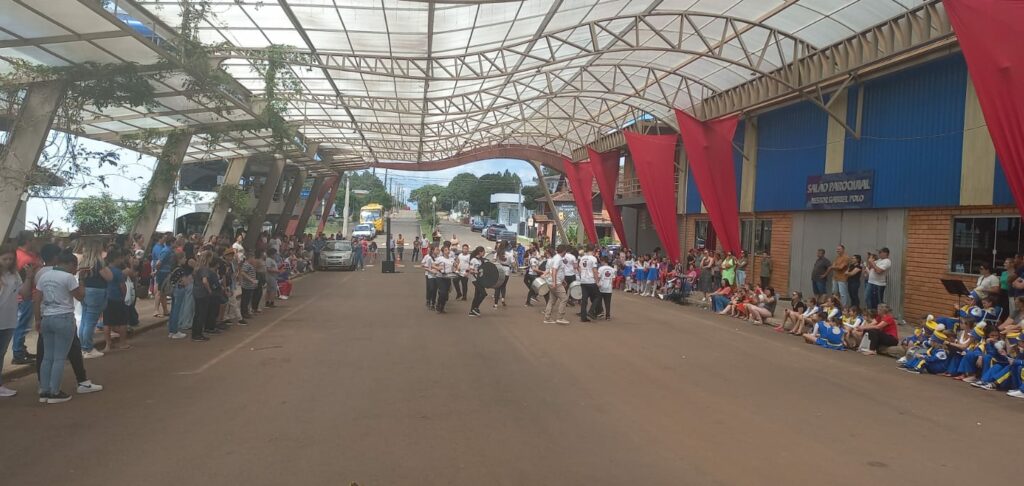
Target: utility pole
{"x": 345, "y": 218}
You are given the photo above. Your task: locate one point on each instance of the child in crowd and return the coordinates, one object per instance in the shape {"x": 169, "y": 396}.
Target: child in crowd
{"x": 993, "y": 359}
{"x": 806, "y": 319}
{"x": 852, "y": 320}
{"x": 653, "y": 275}
{"x": 931, "y": 359}
{"x": 796, "y": 310}
{"x": 605, "y": 283}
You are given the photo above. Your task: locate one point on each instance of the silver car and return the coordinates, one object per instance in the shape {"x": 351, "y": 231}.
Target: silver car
{"x": 337, "y": 254}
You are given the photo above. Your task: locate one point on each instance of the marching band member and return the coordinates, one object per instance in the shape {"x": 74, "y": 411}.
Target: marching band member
{"x": 605, "y": 281}
{"x": 588, "y": 282}
{"x": 462, "y": 267}
{"x": 569, "y": 269}
{"x": 445, "y": 267}
{"x": 555, "y": 273}
{"x": 431, "y": 274}
{"x": 479, "y": 292}
{"x": 530, "y": 275}
{"x": 503, "y": 259}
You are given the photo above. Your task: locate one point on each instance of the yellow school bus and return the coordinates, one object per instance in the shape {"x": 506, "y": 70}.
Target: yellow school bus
{"x": 372, "y": 213}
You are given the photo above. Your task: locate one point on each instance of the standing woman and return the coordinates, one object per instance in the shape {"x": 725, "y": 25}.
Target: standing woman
{"x": 11, "y": 287}
{"x": 416, "y": 248}
{"x": 530, "y": 275}
{"x": 401, "y": 247}
{"x": 115, "y": 314}
{"x": 854, "y": 273}
{"x": 706, "y": 276}
{"x": 476, "y": 258}
{"x": 201, "y": 293}
{"x": 180, "y": 285}
{"x": 95, "y": 276}
{"x": 54, "y": 301}
{"x": 504, "y": 263}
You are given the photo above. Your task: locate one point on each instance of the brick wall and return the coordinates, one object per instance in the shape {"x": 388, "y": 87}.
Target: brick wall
{"x": 782, "y": 230}
{"x": 929, "y": 235}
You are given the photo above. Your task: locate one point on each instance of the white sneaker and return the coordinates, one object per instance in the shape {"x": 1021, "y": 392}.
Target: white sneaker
{"x": 902, "y": 360}
{"x": 561, "y": 321}
{"x": 7, "y": 392}
{"x": 177, "y": 335}
{"x": 114, "y": 335}
{"x": 1012, "y": 393}
{"x": 282, "y": 297}
{"x": 88, "y": 386}
{"x": 92, "y": 353}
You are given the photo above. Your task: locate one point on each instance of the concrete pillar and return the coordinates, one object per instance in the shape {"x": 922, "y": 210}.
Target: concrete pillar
{"x": 259, "y": 213}
{"x": 835, "y": 138}
{"x": 307, "y": 210}
{"x": 748, "y": 179}
{"x": 978, "y": 160}
{"x": 289, "y": 202}
{"x": 219, "y": 212}
{"x": 24, "y": 145}
{"x": 332, "y": 194}
{"x": 165, "y": 175}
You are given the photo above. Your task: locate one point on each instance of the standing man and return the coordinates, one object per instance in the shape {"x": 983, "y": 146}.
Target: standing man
{"x": 766, "y": 270}
{"x": 588, "y": 282}
{"x": 569, "y": 268}
{"x": 357, "y": 255}
{"x": 445, "y": 267}
{"x": 839, "y": 278}
{"x": 819, "y": 275}
{"x": 430, "y": 272}
{"x": 741, "y": 269}
{"x": 555, "y": 273}
{"x": 878, "y": 266}
{"x": 26, "y": 255}
{"x": 318, "y": 247}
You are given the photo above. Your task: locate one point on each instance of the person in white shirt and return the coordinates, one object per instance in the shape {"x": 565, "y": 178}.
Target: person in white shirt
{"x": 462, "y": 268}
{"x": 531, "y": 274}
{"x": 479, "y": 291}
{"x": 54, "y": 298}
{"x": 605, "y": 280}
{"x": 555, "y": 273}
{"x": 588, "y": 284}
{"x": 445, "y": 267}
{"x": 431, "y": 276}
{"x": 570, "y": 269}
{"x": 504, "y": 264}
{"x": 878, "y": 265}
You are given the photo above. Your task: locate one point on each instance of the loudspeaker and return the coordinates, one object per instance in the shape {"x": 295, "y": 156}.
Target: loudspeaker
{"x": 387, "y": 266}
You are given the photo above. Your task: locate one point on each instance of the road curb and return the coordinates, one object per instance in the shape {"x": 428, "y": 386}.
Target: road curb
{"x": 20, "y": 371}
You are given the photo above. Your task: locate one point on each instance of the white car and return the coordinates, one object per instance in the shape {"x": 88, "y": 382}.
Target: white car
{"x": 363, "y": 231}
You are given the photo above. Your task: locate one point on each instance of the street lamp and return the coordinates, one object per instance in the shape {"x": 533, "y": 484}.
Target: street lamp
{"x": 433, "y": 203}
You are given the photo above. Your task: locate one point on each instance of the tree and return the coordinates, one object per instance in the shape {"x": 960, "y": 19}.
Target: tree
{"x": 365, "y": 181}
{"x": 530, "y": 196}
{"x": 462, "y": 186}
{"x": 424, "y": 198}
{"x": 102, "y": 215}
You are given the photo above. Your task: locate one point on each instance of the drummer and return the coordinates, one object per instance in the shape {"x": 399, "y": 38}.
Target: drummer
{"x": 588, "y": 281}
{"x": 476, "y": 258}
{"x": 445, "y": 267}
{"x": 430, "y": 271}
{"x": 530, "y": 275}
{"x": 504, "y": 263}
{"x": 462, "y": 269}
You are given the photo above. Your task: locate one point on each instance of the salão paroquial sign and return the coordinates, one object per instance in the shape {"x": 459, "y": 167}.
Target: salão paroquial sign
{"x": 847, "y": 190}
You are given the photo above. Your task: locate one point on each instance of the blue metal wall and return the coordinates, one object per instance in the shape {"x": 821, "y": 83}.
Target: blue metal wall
{"x": 790, "y": 147}
{"x": 692, "y": 194}
{"x": 1001, "y": 189}
{"x": 912, "y": 135}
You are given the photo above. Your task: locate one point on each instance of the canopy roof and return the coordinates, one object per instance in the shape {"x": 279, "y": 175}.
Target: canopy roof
{"x": 416, "y": 81}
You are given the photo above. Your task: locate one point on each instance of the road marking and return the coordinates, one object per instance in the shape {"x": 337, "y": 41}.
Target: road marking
{"x": 247, "y": 340}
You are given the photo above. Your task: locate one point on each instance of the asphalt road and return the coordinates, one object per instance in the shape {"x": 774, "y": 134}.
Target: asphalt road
{"x": 353, "y": 381}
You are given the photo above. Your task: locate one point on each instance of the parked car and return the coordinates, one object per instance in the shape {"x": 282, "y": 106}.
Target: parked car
{"x": 364, "y": 231}
{"x": 337, "y": 254}
{"x": 491, "y": 233}
{"x": 477, "y": 225}
{"x": 507, "y": 235}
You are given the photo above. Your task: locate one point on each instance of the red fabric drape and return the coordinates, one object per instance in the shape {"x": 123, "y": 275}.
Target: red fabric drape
{"x": 990, "y": 32}
{"x": 709, "y": 149}
{"x": 581, "y": 181}
{"x": 606, "y": 171}
{"x": 654, "y": 159}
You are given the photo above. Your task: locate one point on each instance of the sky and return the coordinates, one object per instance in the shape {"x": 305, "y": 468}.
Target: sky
{"x": 127, "y": 180}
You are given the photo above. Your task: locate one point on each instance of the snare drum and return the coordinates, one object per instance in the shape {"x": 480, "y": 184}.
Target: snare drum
{"x": 540, "y": 286}
{"x": 576, "y": 290}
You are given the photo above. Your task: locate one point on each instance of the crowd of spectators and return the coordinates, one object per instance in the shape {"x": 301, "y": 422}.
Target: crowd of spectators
{"x": 72, "y": 288}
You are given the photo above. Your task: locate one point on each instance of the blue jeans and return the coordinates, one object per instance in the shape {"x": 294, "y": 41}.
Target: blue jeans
{"x": 5, "y": 339}
{"x": 844, "y": 291}
{"x": 359, "y": 261}
{"x": 719, "y": 302}
{"x": 741, "y": 277}
{"x": 178, "y": 297}
{"x": 58, "y": 332}
{"x": 874, "y": 295}
{"x": 93, "y": 304}
{"x": 820, "y": 287}
{"x": 24, "y": 322}
{"x": 188, "y": 310}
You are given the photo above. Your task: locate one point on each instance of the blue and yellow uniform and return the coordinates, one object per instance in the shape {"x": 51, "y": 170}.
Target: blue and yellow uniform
{"x": 1004, "y": 375}
{"x": 933, "y": 360}
{"x": 830, "y": 337}
{"x": 969, "y": 363}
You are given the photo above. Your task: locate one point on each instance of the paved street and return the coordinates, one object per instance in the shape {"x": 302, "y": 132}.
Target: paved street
{"x": 353, "y": 381}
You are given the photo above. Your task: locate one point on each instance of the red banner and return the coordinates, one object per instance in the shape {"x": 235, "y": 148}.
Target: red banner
{"x": 581, "y": 180}
{"x": 606, "y": 170}
{"x": 709, "y": 149}
{"x": 989, "y": 31}
{"x": 654, "y": 159}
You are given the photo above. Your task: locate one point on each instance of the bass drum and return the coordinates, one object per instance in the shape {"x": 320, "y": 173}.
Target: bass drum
{"x": 540, "y": 286}
{"x": 489, "y": 276}
{"x": 576, "y": 290}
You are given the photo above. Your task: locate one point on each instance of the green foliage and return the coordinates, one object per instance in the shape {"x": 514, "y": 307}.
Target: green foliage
{"x": 530, "y": 196}
{"x": 423, "y": 197}
{"x": 237, "y": 200}
{"x": 364, "y": 181}
{"x": 572, "y": 232}
{"x": 102, "y": 215}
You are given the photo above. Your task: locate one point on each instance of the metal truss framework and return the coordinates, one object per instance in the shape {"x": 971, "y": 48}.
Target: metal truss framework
{"x": 419, "y": 82}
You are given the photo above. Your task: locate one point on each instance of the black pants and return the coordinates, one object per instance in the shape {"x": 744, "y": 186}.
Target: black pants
{"x": 460, "y": 287}
{"x": 603, "y": 303}
{"x": 261, "y": 285}
{"x": 499, "y": 291}
{"x": 247, "y": 302}
{"x": 316, "y": 260}
{"x": 854, "y": 288}
{"x": 479, "y": 294}
{"x": 528, "y": 280}
{"x": 443, "y": 288}
{"x": 879, "y": 338}
{"x": 590, "y": 298}
{"x": 431, "y": 291}
{"x": 401, "y": 253}
{"x": 765, "y": 282}
{"x": 569, "y": 279}
{"x": 74, "y": 357}
{"x": 202, "y": 315}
